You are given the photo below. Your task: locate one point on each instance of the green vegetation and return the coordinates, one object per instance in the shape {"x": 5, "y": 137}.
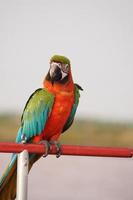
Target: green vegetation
{"x": 82, "y": 132}
{"x": 9, "y": 124}
{"x": 99, "y": 133}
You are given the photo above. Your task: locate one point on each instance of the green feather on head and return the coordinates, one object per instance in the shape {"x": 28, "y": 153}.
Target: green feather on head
{"x": 61, "y": 59}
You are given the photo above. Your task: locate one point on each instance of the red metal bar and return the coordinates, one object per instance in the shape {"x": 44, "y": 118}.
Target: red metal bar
{"x": 68, "y": 150}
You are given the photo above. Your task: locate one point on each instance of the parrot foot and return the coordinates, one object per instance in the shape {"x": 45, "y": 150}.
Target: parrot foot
{"x": 58, "y": 147}
{"x": 47, "y": 147}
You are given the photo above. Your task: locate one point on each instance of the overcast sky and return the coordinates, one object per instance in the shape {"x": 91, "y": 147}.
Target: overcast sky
{"x": 96, "y": 35}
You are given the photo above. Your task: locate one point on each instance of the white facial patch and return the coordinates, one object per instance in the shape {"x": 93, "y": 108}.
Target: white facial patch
{"x": 63, "y": 74}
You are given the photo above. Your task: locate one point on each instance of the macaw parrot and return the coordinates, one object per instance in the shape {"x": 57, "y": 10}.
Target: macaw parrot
{"x": 47, "y": 114}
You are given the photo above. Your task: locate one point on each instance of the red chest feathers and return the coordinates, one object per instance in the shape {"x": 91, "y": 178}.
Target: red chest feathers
{"x": 59, "y": 115}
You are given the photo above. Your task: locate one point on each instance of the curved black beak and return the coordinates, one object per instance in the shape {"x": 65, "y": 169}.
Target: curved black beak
{"x": 55, "y": 74}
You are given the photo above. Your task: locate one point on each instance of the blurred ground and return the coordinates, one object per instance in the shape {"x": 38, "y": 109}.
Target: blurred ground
{"x": 80, "y": 178}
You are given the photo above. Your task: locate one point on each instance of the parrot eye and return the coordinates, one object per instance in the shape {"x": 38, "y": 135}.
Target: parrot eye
{"x": 65, "y": 68}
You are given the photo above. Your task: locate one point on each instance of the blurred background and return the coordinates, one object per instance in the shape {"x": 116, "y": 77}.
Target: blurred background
{"x": 97, "y": 36}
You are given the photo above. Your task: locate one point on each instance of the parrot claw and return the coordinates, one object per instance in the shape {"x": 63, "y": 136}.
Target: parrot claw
{"x": 47, "y": 147}
{"x": 58, "y": 147}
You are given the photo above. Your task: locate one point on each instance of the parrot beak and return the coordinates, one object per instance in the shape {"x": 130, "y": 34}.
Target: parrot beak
{"x": 55, "y": 74}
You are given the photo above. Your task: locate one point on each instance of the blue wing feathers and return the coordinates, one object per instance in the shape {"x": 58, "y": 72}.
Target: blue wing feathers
{"x": 18, "y": 138}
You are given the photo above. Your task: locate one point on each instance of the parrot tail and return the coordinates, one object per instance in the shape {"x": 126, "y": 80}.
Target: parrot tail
{"x": 8, "y": 180}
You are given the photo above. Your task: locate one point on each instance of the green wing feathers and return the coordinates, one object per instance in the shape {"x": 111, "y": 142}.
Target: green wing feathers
{"x": 35, "y": 114}
{"x": 74, "y": 108}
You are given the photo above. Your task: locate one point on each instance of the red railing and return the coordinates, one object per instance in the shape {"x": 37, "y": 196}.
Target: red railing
{"x": 74, "y": 150}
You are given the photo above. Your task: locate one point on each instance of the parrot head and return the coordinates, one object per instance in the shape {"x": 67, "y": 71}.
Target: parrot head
{"x": 59, "y": 71}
